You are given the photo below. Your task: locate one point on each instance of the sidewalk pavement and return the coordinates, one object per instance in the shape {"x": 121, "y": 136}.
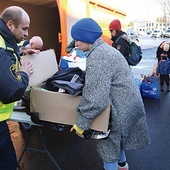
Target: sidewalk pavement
{"x": 74, "y": 153}
{"x": 157, "y": 155}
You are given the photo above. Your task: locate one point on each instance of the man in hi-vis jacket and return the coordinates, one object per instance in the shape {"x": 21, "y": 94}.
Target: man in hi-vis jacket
{"x": 14, "y": 24}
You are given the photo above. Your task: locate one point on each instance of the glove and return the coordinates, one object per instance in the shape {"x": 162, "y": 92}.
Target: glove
{"x": 77, "y": 129}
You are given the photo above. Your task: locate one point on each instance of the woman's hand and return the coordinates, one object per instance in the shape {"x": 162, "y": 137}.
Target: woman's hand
{"x": 76, "y": 128}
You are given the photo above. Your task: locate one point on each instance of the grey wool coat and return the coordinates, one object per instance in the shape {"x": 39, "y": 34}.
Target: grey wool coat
{"x": 109, "y": 78}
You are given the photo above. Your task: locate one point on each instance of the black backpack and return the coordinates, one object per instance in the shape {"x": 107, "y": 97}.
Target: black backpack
{"x": 135, "y": 53}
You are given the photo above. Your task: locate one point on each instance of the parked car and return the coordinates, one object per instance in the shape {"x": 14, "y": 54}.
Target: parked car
{"x": 166, "y": 34}
{"x": 132, "y": 34}
{"x": 156, "y": 34}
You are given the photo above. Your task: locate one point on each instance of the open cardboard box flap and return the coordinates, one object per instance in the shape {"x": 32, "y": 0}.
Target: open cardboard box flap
{"x": 44, "y": 65}
{"x": 54, "y": 106}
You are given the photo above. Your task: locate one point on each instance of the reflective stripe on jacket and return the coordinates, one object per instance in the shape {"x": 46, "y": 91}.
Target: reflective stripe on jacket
{"x": 2, "y": 42}
{"x": 6, "y": 111}
{"x": 13, "y": 82}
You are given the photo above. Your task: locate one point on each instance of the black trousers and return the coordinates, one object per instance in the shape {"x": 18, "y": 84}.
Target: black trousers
{"x": 8, "y": 160}
{"x": 164, "y": 78}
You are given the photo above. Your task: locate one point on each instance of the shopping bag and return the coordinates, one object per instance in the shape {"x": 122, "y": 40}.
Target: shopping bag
{"x": 150, "y": 87}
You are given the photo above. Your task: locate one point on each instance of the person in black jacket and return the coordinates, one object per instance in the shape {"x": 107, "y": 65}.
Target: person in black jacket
{"x": 163, "y": 70}
{"x": 14, "y": 24}
{"x": 163, "y": 47}
{"x": 119, "y": 38}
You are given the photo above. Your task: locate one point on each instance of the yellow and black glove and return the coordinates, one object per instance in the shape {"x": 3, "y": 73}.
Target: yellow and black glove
{"x": 87, "y": 134}
{"x": 77, "y": 129}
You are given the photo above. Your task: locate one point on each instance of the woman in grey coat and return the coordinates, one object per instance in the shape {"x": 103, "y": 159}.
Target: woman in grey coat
{"x": 109, "y": 79}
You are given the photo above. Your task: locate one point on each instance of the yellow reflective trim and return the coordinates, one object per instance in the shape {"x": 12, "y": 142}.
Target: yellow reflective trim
{"x": 11, "y": 49}
{"x": 2, "y": 42}
{"x": 6, "y": 111}
{"x": 21, "y": 43}
{"x": 17, "y": 62}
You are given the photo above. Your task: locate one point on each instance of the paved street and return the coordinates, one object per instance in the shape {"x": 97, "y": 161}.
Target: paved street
{"x": 73, "y": 153}
{"x": 148, "y": 46}
{"x": 147, "y": 42}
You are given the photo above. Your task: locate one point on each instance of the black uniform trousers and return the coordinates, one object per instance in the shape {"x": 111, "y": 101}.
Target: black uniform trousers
{"x": 8, "y": 160}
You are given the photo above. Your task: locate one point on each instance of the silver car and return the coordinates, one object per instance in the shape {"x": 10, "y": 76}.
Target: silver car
{"x": 166, "y": 34}
{"x": 156, "y": 34}
{"x": 132, "y": 34}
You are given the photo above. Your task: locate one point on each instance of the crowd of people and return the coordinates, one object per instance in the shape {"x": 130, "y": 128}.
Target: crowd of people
{"x": 108, "y": 80}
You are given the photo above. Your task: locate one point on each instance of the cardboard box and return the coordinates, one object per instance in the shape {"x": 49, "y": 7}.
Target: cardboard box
{"x": 55, "y": 106}
{"x": 61, "y": 108}
{"x": 44, "y": 64}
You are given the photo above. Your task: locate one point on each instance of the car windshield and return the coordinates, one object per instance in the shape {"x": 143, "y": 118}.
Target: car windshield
{"x": 156, "y": 31}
